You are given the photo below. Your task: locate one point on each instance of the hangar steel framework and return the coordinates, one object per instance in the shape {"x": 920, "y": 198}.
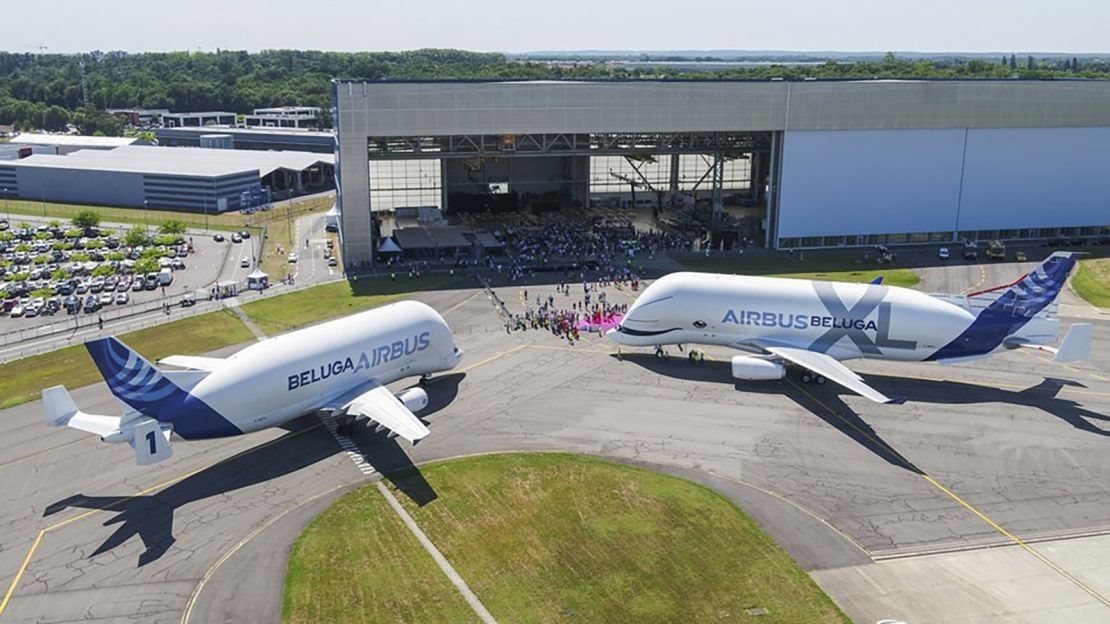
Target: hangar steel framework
{"x": 842, "y": 162}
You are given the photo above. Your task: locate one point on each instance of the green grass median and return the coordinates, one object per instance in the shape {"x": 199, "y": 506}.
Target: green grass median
{"x": 546, "y": 538}
{"x": 282, "y": 313}
{"x": 1092, "y": 281}
{"x": 23, "y": 380}
{"x": 837, "y": 267}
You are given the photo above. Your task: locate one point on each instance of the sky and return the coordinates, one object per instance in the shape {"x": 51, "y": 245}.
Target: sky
{"x": 63, "y": 26}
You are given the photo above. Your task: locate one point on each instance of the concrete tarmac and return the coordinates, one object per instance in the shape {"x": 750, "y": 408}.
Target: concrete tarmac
{"x": 985, "y": 469}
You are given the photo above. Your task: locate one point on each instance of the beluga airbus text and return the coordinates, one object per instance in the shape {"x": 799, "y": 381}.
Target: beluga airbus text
{"x": 341, "y": 366}
{"x": 815, "y": 325}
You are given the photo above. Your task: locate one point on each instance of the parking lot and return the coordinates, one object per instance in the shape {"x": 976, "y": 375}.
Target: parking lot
{"x": 52, "y": 272}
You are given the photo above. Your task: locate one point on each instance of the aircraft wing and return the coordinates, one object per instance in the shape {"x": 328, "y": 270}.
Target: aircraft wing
{"x": 831, "y": 369}
{"x": 379, "y": 405}
{"x": 194, "y": 362}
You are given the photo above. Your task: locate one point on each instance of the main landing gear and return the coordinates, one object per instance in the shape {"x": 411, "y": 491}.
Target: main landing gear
{"x": 808, "y": 377}
{"x": 346, "y": 426}
{"x": 661, "y": 354}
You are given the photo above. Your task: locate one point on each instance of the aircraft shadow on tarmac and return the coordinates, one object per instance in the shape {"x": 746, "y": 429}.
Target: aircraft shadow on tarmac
{"x": 151, "y": 516}
{"x": 825, "y": 401}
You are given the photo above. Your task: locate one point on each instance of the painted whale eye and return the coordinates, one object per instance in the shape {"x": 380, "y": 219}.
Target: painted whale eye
{"x": 699, "y": 324}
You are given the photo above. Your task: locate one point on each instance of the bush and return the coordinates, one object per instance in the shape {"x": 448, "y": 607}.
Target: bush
{"x": 166, "y": 239}
{"x": 6, "y": 236}
{"x": 87, "y": 219}
{"x": 79, "y": 256}
{"x": 136, "y": 236}
{"x": 74, "y": 233}
{"x": 59, "y": 274}
{"x": 146, "y": 265}
{"x": 172, "y": 226}
{"x": 116, "y": 256}
{"x": 103, "y": 271}
{"x": 43, "y": 236}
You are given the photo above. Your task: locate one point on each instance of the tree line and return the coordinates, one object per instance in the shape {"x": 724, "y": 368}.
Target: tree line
{"x": 50, "y": 91}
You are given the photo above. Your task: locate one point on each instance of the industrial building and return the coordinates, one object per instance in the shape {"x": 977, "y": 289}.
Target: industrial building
{"x": 200, "y": 180}
{"x": 198, "y": 120}
{"x": 293, "y": 139}
{"x": 825, "y": 163}
{"x": 284, "y": 117}
{"x": 68, "y": 143}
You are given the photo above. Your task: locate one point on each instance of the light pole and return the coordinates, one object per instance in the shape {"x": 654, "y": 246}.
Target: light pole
{"x": 146, "y": 217}
{"x": 7, "y": 212}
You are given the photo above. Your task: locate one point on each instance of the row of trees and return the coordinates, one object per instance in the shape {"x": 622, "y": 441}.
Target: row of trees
{"x": 45, "y": 90}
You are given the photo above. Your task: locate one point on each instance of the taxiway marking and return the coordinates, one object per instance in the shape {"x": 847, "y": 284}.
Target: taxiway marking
{"x": 982, "y": 516}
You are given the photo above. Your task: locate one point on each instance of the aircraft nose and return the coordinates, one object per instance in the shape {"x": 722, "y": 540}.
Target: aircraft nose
{"x": 614, "y": 335}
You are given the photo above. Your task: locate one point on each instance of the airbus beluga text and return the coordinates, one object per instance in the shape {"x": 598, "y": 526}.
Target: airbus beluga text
{"x": 341, "y": 366}
{"x": 816, "y": 324}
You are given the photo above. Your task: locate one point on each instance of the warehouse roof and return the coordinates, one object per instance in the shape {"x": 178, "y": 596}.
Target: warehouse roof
{"x": 180, "y": 160}
{"x": 73, "y": 140}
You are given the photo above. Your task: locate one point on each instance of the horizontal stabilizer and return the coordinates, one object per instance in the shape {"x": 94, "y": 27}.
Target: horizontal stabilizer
{"x": 878, "y": 280}
{"x": 1077, "y": 343}
{"x": 60, "y": 410}
{"x": 194, "y": 362}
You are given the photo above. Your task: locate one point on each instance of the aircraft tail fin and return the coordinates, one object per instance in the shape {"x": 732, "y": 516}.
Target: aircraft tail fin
{"x": 130, "y": 377}
{"x": 1031, "y": 294}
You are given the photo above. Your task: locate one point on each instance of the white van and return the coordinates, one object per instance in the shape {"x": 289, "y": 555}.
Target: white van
{"x": 165, "y": 277}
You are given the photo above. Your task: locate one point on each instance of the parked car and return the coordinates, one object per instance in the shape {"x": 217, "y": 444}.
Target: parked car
{"x": 187, "y": 300}
{"x": 219, "y": 238}
{"x": 943, "y": 253}
{"x": 137, "y": 285}
{"x": 332, "y": 261}
{"x": 16, "y": 311}
{"x": 105, "y": 299}
{"x": 245, "y": 262}
{"x": 122, "y": 298}
{"x": 235, "y": 238}
{"x": 91, "y": 304}
{"x": 244, "y": 234}
{"x": 293, "y": 257}
{"x": 1020, "y": 256}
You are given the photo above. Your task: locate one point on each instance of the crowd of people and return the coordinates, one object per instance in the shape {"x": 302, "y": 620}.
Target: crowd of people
{"x": 571, "y": 311}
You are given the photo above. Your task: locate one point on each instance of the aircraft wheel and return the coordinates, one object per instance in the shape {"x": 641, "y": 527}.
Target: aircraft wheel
{"x": 424, "y": 379}
{"x": 820, "y": 380}
{"x": 806, "y": 377}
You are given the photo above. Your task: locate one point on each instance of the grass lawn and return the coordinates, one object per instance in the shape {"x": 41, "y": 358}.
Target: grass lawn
{"x": 275, "y": 315}
{"x": 23, "y": 380}
{"x": 155, "y": 217}
{"x": 548, "y": 538}
{"x": 1092, "y": 281}
{"x": 839, "y": 267}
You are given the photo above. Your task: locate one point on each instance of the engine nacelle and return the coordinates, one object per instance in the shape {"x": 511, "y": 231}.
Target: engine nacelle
{"x": 414, "y": 398}
{"x": 752, "y": 368}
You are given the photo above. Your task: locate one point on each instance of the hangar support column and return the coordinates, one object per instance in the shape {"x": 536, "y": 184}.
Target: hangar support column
{"x": 353, "y": 199}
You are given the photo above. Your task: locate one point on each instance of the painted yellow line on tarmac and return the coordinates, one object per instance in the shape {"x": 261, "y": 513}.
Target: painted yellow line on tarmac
{"x": 58, "y": 525}
{"x": 253, "y": 534}
{"x": 851, "y": 540}
{"x": 930, "y": 480}
{"x": 491, "y": 358}
{"x": 979, "y": 284}
{"x": 1073, "y": 369}
{"x": 43, "y": 452}
{"x": 461, "y": 303}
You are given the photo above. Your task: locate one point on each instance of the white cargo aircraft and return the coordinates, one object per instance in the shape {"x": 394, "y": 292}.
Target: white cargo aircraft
{"x": 341, "y": 367}
{"x": 815, "y": 325}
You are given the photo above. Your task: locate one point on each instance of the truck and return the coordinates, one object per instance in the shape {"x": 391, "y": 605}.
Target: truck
{"x": 996, "y": 249}
{"x": 971, "y": 250}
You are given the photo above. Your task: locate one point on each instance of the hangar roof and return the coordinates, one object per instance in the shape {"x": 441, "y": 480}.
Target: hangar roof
{"x": 179, "y": 160}
{"x": 385, "y": 109}
{"x": 73, "y": 140}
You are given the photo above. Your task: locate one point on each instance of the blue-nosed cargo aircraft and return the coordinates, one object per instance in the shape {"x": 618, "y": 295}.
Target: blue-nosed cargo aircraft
{"x": 341, "y": 367}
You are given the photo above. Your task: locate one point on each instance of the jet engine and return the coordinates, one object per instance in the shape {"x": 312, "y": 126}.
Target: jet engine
{"x": 754, "y": 368}
{"x": 414, "y": 398}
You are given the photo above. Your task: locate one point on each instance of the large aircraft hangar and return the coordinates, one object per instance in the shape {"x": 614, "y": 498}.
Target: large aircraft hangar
{"x": 826, "y": 163}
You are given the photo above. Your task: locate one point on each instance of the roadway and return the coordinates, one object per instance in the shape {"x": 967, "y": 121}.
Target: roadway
{"x": 981, "y": 499}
